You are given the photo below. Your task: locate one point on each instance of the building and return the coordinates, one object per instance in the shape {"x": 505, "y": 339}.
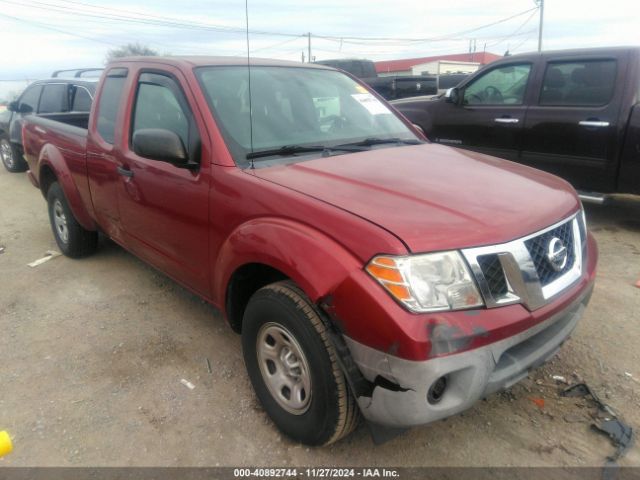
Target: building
{"x": 439, "y": 64}
{"x": 444, "y": 67}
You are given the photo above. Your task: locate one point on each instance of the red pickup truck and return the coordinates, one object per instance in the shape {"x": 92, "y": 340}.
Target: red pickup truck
{"x": 368, "y": 271}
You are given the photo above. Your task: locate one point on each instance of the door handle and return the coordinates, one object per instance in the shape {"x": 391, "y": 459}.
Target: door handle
{"x": 506, "y": 120}
{"x": 593, "y": 123}
{"x": 125, "y": 172}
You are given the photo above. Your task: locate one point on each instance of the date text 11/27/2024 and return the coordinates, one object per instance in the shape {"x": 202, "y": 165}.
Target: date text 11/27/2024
{"x": 315, "y": 473}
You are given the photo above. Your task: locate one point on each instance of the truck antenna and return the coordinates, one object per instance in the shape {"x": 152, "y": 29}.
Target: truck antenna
{"x": 246, "y": 12}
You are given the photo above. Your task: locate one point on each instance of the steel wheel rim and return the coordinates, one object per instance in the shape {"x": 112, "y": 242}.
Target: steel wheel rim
{"x": 284, "y": 368}
{"x": 60, "y": 221}
{"x": 6, "y": 153}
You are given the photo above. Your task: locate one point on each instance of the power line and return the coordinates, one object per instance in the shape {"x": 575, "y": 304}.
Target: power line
{"x": 104, "y": 14}
{"x": 276, "y": 45}
{"x": 358, "y": 40}
{"x": 144, "y": 21}
{"x": 521, "y": 43}
{"x": 157, "y": 20}
{"x": 47, "y": 27}
{"x": 515, "y": 32}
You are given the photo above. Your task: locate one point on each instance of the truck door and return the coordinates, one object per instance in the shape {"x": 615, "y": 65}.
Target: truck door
{"x": 164, "y": 208}
{"x": 572, "y": 127}
{"x": 488, "y": 114}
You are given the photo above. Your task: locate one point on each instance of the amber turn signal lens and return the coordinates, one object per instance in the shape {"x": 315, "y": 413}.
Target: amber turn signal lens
{"x": 385, "y": 271}
{"x": 401, "y": 292}
{"x": 390, "y": 274}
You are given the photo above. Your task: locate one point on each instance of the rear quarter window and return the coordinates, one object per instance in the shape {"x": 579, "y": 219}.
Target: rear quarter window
{"x": 109, "y": 103}
{"x": 81, "y": 100}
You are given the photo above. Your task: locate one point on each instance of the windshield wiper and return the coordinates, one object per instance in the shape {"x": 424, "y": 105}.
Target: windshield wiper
{"x": 287, "y": 150}
{"x": 371, "y": 141}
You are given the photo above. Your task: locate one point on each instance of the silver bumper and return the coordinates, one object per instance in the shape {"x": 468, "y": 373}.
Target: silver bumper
{"x": 470, "y": 375}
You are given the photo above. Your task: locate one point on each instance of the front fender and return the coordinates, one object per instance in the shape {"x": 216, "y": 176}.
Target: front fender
{"x": 316, "y": 262}
{"x": 50, "y": 157}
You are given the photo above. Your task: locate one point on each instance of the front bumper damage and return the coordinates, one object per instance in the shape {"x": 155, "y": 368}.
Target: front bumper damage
{"x": 399, "y": 397}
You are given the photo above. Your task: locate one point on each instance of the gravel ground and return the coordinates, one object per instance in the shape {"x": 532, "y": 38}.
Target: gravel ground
{"x": 94, "y": 351}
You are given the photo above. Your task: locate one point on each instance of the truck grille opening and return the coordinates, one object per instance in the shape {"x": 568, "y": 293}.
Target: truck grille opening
{"x": 493, "y": 273}
{"x": 538, "y": 248}
{"x": 530, "y": 270}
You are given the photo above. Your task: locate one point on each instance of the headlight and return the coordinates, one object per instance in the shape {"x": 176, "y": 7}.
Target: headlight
{"x": 430, "y": 282}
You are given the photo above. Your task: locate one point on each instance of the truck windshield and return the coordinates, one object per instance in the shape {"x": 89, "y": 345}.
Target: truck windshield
{"x": 294, "y": 107}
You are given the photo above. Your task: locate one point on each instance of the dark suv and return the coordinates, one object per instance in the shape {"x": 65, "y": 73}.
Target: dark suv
{"x": 46, "y": 98}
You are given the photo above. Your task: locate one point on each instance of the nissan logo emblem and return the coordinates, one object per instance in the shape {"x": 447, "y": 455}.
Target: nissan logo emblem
{"x": 557, "y": 254}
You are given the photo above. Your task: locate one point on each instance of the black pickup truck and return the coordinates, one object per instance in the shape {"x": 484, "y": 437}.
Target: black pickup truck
{"x": 575, "y": 113}
{"x": 389, "y": 87}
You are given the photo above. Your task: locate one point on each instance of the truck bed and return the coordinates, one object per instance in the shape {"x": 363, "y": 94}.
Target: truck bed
{"x": 73, "y": 119}
{"x": 63, "y": 134}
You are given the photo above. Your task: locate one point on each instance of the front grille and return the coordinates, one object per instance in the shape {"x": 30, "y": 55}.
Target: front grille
{"x": 538, "y": 249}
{"x": 522, "y": 270}
{"x": 493, "y": 273}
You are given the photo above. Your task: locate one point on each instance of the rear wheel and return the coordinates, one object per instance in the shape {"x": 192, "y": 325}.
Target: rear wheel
{"x": 294, "y": 368}
{"x": 72, "y": 239}
{"x": 11, "y": 157}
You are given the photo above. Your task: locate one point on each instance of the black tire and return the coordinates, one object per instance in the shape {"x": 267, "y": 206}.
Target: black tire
{"x": 77, "y": 242}
{"x": 332, "y": 412}
{"x": 12, "y": 157}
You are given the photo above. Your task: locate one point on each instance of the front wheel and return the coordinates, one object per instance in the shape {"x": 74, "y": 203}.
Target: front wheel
{"x": 294, "y": 368}
{"x": 72, "y": 239}
{"x": 11, "y": 157}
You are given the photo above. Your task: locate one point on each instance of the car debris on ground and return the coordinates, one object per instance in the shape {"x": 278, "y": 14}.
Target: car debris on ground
{"x": 620, "y": 433}
{"x": 187, "y": 384}
{"x": 559, "y": 379}
{"x": 49, "y": 254}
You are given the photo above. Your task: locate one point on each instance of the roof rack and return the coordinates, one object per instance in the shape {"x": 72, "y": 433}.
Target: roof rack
{"x": 78, "y": 72}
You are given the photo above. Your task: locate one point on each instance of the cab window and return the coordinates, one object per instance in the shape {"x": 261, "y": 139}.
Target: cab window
{"x": 54, "y": 98}
{"x": 29, "y": 99}
{"x": 578, "y": 84}
{"x": 499, "y": 86}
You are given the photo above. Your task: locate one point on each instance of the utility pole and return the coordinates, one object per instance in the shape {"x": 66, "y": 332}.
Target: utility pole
{"x": 309, "y": 45}
{"x": 541, "y": 8}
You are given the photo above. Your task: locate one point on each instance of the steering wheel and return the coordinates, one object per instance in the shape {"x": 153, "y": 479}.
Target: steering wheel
{"x": 335, "y": 122}
{"x": 475, "y": 98}
{"x": 493, "y": 95}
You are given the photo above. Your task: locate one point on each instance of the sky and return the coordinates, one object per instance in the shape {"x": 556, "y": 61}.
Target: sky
{"x": 40, "y": 36}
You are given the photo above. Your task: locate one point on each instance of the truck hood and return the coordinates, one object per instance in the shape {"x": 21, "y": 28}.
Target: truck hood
{"x": 433, "y": 197}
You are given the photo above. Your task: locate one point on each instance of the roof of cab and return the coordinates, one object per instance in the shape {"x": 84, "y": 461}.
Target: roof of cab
{"x": 576, "y": 52}
{"x": 207, "y": 61}
{"x": 85, "y": 82}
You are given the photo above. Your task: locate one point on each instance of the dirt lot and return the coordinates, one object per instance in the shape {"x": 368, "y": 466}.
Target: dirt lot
{"x": 93, "y": 352}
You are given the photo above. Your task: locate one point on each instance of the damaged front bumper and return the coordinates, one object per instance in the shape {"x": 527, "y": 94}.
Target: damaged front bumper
{"x": 402, "y": 395}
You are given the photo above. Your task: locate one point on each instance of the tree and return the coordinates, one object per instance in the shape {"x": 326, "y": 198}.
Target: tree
{"x": 130, "y": 50}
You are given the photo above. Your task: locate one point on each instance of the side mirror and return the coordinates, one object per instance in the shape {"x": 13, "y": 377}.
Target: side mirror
{"x": 13, "y": 106}
{"x": 162, "y": 145}
{"x": 452, "y": 95}
{"x": 24, "y": 109}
